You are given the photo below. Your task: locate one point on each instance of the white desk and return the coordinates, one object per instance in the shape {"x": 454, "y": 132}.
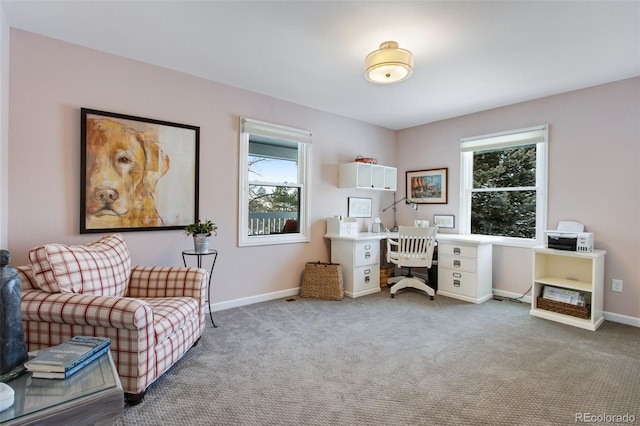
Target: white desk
{"x": 464, "y": 264}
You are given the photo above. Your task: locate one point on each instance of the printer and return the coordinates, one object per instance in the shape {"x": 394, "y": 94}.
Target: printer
{"x": 570, "y": 235}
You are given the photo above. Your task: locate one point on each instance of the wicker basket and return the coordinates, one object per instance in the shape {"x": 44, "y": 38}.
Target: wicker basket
{"x": 322, "y": 281}
{"x": 583, "y": 312}
{"x": 385, "y": 273}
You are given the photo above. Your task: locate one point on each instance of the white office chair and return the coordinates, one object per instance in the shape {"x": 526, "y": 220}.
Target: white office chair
{"x": 413, "y": 249}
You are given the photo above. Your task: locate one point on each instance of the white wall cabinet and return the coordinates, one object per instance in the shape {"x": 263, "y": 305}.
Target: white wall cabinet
{"x": 465, "y": 270}
{"x": 367, "y": 176}
{"x": 570, "y": 270}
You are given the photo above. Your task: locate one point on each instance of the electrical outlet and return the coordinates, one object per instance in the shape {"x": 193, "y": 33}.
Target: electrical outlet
{"x": 616, "y": 285}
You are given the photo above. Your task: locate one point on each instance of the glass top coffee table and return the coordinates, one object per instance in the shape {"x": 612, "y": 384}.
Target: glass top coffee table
{"x": 90, "y": 396}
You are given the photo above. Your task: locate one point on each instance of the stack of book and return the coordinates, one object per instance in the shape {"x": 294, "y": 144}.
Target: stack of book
{"x": 60, "y": 362}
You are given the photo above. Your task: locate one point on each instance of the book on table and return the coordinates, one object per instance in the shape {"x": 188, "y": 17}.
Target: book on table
{"x": 68, "y": 357}
{"x": 76, "y": 368}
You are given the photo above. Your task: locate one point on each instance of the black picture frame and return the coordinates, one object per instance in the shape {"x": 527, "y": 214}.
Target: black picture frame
{"x": 137, "y": 174}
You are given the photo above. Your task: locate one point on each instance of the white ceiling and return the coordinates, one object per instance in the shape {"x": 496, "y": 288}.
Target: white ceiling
{"x": 469, "y": 55}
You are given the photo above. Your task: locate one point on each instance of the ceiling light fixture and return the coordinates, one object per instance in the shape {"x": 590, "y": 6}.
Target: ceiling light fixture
{"x": 389, "y": 64}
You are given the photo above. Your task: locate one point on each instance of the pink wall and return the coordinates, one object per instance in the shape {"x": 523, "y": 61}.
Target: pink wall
{"x": 594, "y": 177}
{"x": 51, "y": 80}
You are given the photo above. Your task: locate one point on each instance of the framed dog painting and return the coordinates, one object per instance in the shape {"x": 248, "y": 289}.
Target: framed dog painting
{"x": 138, "y": 174}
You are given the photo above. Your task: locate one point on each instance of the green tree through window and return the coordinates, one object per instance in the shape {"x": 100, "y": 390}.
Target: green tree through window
{"x": 503, "y": 184}
{"x": 506, "y": 210}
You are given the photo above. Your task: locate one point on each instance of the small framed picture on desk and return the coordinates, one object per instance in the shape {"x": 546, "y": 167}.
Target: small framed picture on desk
{"x": 444, "y": 220}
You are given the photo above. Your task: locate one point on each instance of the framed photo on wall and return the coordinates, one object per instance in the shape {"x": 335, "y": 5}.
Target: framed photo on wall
{"x": 359, "y": 207}
{"x": 137, "y": 174}
{"x": 428, "y": 186}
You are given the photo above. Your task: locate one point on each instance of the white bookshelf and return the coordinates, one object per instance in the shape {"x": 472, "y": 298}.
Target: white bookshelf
{"x": 570, "y": 270}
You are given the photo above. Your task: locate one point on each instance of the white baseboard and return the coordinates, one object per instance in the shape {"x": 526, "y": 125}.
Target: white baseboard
{"x": 510, "y": 295}
{"x": 221, "y": 306}
{"x": 623, "y": 319}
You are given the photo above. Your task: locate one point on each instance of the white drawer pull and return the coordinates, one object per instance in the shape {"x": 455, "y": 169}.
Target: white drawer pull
{"x": 367, "y": 271}
{"x": 367, "y": 279}
{"x": 456, "y": 283}
{"x": 456, "y": 263}
{"x": 367, "y": 247}
{"x": 457, "y": 275}
{"x": 367, "y": 255}
{"x": 456, "y": 250}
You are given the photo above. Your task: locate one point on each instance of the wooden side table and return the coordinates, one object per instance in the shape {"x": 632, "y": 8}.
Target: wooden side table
{"x": 89, "y": 397}
{"x": 199, "y": 257}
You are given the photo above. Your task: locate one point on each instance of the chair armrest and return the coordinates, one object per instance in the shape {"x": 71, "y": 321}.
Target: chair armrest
{"x": 170, "y": 281}
{"x": 81, "y": 309}
{"x": 167, "y": 281}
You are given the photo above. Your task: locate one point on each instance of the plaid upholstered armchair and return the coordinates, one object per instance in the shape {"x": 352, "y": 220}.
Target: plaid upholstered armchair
{"x": 153, "y": 315}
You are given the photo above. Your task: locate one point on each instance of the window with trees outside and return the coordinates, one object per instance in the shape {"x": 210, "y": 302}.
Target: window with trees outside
{"x": 504, "y": 185}
{"x": 274, "y": 178}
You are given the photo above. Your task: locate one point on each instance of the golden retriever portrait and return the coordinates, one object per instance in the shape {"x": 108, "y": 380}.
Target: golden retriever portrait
{"x": 123, "y": 166}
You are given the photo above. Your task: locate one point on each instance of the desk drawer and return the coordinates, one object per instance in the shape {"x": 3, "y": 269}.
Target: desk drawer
{"x": 367, "y": 253}
{"x": 459, "y": 282}
{"x": 458, "y": 263}
{"x": 456, "y": 250}
{"x": 366, "y": 277}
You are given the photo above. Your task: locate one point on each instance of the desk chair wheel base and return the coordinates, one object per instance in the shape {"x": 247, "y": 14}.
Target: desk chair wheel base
{"x": 410, "y": 282}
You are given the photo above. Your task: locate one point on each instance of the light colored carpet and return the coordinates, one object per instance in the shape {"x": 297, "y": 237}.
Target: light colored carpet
{"x": 404, "y": 361}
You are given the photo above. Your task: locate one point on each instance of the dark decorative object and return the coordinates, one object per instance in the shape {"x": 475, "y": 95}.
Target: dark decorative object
{"x": 13, "y": 351}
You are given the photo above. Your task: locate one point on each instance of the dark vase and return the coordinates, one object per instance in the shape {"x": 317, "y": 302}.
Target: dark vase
{"x": 13, "y": 351}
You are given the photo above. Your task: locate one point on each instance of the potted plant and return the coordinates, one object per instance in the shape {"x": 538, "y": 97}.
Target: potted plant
{"x": 201, "y": 231}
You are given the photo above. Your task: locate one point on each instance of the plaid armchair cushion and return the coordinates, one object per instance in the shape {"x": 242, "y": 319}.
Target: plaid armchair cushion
{"x": 101, "y": 268}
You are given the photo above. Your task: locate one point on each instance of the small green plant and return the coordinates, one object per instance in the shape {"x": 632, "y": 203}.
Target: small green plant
{"x": 206, "y": 227}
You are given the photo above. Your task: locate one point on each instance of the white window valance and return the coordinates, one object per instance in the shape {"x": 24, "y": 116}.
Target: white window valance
{"x": 274, "y": 131}
{"x": 504, "y": 140}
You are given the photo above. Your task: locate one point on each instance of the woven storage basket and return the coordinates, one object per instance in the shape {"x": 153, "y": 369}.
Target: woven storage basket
{"x": 583, "y": 312}
{"x": 385, "y": 273}
{"x": 322, "y": 281}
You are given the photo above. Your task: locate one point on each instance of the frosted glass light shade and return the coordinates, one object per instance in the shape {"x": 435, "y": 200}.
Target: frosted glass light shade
{"x": 389, "y": 64}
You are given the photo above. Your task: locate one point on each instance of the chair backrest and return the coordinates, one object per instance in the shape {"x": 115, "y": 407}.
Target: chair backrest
{"x": 290, "y": 226}
{"x": 415, "y": 246}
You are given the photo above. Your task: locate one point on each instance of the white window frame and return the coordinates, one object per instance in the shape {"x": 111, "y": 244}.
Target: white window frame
{"x": 303, "y": 138}
{"x": 538, "y": 135}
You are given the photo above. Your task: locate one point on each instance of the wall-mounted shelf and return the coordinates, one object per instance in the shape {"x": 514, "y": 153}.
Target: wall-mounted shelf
{"x": 367, "y": 176}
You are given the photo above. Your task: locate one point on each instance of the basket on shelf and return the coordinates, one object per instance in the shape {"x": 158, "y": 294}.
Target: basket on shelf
{"x": 322, "y": 281}
{"x": 583, "y": 312}
{"x": 369, "y": 160}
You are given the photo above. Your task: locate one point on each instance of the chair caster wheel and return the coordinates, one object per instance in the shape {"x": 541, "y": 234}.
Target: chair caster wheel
{"x": 393, "y": 296}
{"x": 431, "y": 297}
